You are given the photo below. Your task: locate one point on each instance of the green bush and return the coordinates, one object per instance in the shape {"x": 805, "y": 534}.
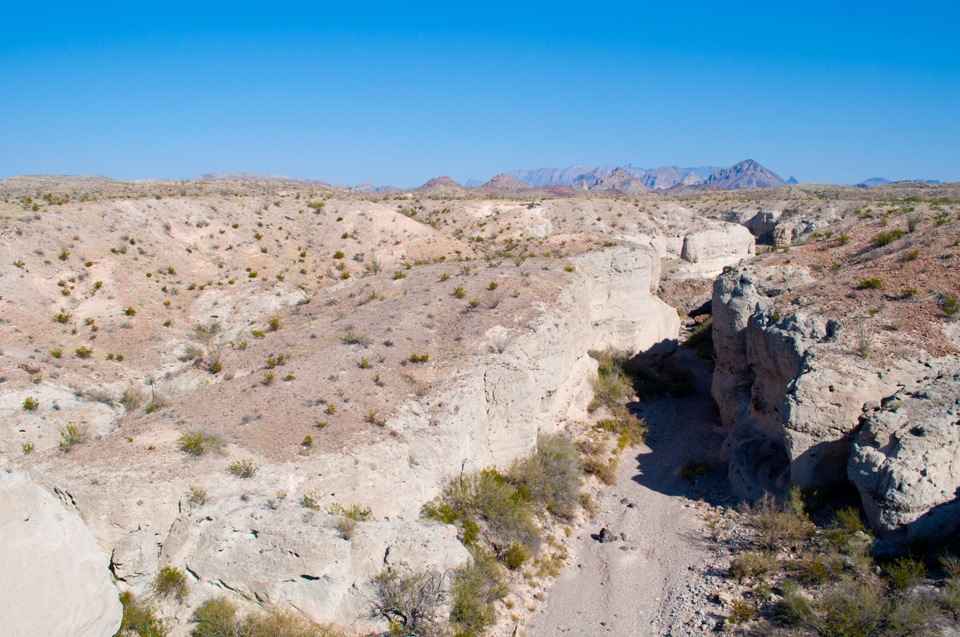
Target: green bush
{"x": 851, "y": 609}
{"x": 779, "y": 524}
{"x": 870, "y": 284}
{"x": 701, "y": 339}
{"x": 245, "y": 468}
{"x": 475, "y": 589}
{"x": 139, "y": 618}
{"x": 216, "y": 617}
{"x": 72, "y": 435}
{"x": 905, "y": 573}
{"x": 551, "y": 476}
{"x": 752, "y": 564}
{"x": 887, "y": 237}
{"x": 515, "y": 556}
{"x": 353, "y": 512}
{"x": 30, "y": 403}
{"x": 197, "y": 443}
{"x": 170, "y": 581}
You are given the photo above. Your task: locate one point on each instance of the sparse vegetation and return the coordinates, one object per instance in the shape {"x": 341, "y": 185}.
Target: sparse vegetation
{"x": 170, "y": 581}
{"x": 245, "y": 468}
{"x": 197, "y": 443}
{"x": 72, "y": 435}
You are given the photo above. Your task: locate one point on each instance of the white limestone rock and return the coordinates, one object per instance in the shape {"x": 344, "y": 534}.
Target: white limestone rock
{"x": 54, "y": 578}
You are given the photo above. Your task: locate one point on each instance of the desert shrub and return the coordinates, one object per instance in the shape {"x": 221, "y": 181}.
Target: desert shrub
{"x": 475, "y": 588}
{"x": 551, "y": 476}
{"x": 198, "y": 495}
{"x": 274, "y": 323}
{"x": 197, "y": 443}
{"x": 905, "y": 573}
{"x": 356, "y": 338}
{"x": 282, "y": 623}
{"x": 132, "y": 397}
{"x": 27, "y": 448}
{"x": 912, "y": 615}
{"x": 515, "y": 556}
{"x": 701, "y": 339}
{"x": 742, "y": 611}
{"x": 62, "y": 317}
{"x": 72, "y": 435}
{"x": 216, "y": 617}
{"x": 950, "y": 305}
{"x": 489, "y": 497}
{"x": 779, "y": 524}
{"x": 419, "y": 358}
{"x": 139, "y": 618}
{"x": 30, "y": 403}
{"x": 692, "y": 468}
{"x": 794, "y": 607}
{"x": 870, "y": 284}
{"x": 628, "y": 427}
{"x": 83, "y": 352}
{"x": 354, "y": 512}
{"x": 751, "y": 565}
{"x": 245, "y": 468}
{"x": 170, "y": 581}
{"x": 950, "y": 595}
{"x": 887, "y": 237}
{"x": 850, "y": 609}
{"x": 410, "y": 603}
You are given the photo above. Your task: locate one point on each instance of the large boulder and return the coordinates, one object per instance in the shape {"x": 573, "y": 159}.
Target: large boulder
{"x": 906, "y": 463}
{"x": 54, "y": 578}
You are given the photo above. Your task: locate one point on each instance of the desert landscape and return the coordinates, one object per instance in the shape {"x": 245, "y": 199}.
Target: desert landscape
{"x": 624, "y": 403}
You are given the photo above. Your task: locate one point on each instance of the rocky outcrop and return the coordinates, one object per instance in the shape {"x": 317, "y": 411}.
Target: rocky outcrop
{"x": 55, "y": 579}
{"x": 789, "y": 394}
{"x": 792, "y": 393}
{"x": 281, "y": 553}
{"x": 718, "y": 246}
{"x": 906, "y": 462}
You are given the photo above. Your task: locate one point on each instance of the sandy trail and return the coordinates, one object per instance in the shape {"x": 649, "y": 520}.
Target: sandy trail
{"x": 655, "y": 577}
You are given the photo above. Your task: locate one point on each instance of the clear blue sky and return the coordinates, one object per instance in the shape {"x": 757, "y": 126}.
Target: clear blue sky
{"x": 401, "y": 92}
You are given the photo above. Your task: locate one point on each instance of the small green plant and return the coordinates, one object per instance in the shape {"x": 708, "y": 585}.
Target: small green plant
{"x": 62, "y": 317}
{"x": 374, "y": 418}
{"x": 198, "y": 496}
{"x": 419, "y": 358}
{"x": 364, "y": 363}
{"x": 83, "y": 352}
{"x": 72, "y": 435}
{"x": 170, "y": 581}
{"x": 197, "y": 443}
{"x": 950, "y": 305}
{"x": 139, "y": 618}
{"x": 64, "y": 255}
{"x": 913, "y": 255}
{"x": 338, "y": 254}
{"x": 274, "y": 323}
{"x": 742, "y": 611}
{"x": 444, "y": 277}
{"x": 870, "y": 284}
{"x": 245, "y": 468}
{"x": 30, "y": 403}
{"x": 356, "y": 338}
{"x": 493, "y": 285}
{"x": 268, "y": 379}
{"x": 354, "y": 512}
{"x": 27, "y": 448}
{"x": 129, "y": 311}
{"x": 887, "y": 237}
{"x": 459, "y": 292}
{"x": 310, "y": 501}
{"x": 399, "y": 274}
{"x": 905, "y": 573}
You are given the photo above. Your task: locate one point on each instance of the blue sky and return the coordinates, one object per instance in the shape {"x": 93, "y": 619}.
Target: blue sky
{"x": 402, "y": 92}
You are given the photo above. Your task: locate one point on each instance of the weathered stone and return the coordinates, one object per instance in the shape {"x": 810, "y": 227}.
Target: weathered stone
{"x": 54, "y": 577}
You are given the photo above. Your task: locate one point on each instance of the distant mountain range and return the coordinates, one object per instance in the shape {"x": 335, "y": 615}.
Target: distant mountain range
{"x": 630, "y": 179}
{"x": 880, "y": 181}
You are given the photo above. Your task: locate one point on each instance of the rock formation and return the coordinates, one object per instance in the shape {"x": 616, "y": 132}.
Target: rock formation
{"x": 54, "y": 577}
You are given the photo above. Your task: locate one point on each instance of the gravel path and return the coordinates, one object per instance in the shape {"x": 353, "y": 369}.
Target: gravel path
{"x": 658, "y": 572}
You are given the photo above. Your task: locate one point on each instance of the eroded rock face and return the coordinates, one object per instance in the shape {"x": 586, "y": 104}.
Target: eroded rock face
{"x": 906, "y": 463}
{"x": 55, "y": 579}
{"x": 718, "y": 245}
{"x": 288, "y": 554}
{"x": 789, "y": 397}
{"x": 792, "y": 393}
